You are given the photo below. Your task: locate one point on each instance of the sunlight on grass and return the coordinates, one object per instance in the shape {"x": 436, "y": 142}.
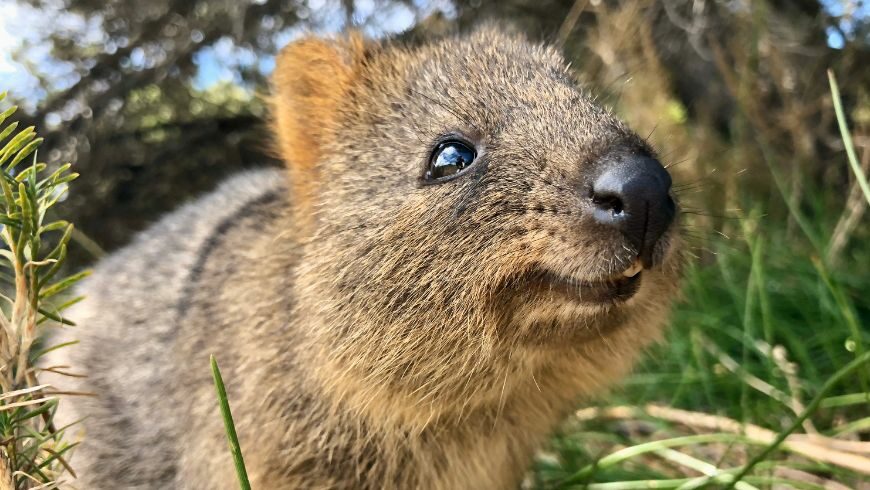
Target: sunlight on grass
{"x": 764, "y": 379}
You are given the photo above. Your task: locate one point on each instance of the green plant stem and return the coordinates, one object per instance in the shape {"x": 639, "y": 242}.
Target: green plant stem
{"x": 677, "y": 482}
{"x": 630, "y": 452}
{"x": 853, "y": 426}
{"x": 846, "y": 309}
{"x": 811, "y": 408}
{"x": 232, "y": 437}
{"x": 847, "y": 137}
{"x": 845, "y": 400}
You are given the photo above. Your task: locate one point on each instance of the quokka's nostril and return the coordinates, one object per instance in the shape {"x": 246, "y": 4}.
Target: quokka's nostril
{"x": 608, "y": 203}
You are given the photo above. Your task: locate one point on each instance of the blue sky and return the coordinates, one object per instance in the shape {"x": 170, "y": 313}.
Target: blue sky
{"x": 217, "y": 63}
{"x": 21, "y": 26}
{"x": 847, "y": 10}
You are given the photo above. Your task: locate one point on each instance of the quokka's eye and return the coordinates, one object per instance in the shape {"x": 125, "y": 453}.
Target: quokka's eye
{"x": 449, "y": 158}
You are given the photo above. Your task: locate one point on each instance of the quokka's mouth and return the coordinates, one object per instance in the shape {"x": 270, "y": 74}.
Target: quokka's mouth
{"x": 611, "y": 290}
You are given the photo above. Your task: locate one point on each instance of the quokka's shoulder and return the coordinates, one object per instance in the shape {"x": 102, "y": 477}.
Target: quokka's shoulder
{"x": 169, "y": 247}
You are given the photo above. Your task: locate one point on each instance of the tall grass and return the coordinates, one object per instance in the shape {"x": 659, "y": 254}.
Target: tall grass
{"x": 757, "y": 336}
{"x": 767, "y": 344}
{"x": 764, "y": 380}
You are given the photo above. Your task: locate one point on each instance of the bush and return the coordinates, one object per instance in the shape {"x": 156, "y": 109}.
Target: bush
{"x": 32, "y": 449}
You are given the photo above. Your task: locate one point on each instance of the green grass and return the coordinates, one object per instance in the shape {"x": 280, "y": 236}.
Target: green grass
{"x": 230, "y": 426}
{"x": 740, "y": 351}
{"x": 771, "y": 337}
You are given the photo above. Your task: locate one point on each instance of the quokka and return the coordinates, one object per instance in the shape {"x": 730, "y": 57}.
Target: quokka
{"x": 462, "y": 247}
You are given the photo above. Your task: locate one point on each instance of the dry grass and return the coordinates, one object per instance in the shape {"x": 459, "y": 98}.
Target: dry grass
{"x": 750, "y": 384}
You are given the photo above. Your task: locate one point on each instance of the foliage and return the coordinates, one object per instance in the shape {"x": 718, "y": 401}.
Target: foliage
{"x": 32, "y": 449}
{"x": 750, "y": 381}
{"x": 722, "y": 392}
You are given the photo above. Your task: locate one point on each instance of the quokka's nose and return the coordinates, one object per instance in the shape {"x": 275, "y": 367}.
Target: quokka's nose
{"x": 631, "y": 194}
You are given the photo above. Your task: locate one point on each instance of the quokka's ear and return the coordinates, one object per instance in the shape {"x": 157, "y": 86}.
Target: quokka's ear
{"x": 311, "y": 77}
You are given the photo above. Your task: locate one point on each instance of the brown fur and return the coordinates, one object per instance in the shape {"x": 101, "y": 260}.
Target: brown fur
{"x": 374, "y": 332}
{"x": 314, "y": 77}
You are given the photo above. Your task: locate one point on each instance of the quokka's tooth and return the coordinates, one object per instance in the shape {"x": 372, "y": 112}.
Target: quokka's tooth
{"x": 634, "y": 269}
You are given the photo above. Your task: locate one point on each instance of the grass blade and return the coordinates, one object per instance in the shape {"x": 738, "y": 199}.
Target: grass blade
{"x": 232, "y": 437}
{"x": 811, "y": 408}
{"x": 847, "y": 137}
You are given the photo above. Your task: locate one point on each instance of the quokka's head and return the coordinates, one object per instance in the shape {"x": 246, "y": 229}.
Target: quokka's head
{"x": 463, "y": 201}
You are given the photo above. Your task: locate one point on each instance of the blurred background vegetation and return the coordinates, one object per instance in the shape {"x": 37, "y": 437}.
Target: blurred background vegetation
{"x": 156, "y": 101}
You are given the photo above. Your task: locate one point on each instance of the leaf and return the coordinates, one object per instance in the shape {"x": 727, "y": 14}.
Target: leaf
{"x": 27, "y": 208}
{"x": 25, "y": 403}
{"x": 63, "y": 284}
{"x": 67, "y": 178}
{"x": 58, "y": 455}
{"x": 51, "y": 402}
{"x": 24, "y": 153}
{"x": 31, "y": 170}
{"x": 8, "y": 112}
{"x": 66, "y": 304}
{"x": 64, "y": 239}
{"x": 50, "y": 180}
{"x": 6, "y": 132}
{"x": 22, "y": 392}
{"x": 7, "y": 254}
{"x": 61, "y": 255}
{"x": 54, "y": 225}
{"x": 43, "y": 352}
{"x": 56, "y": 317}
{"x": 17, "y": 142}
{"x": 55, "y": 195}
{"x": 8, "y": 195}
{"x": 9, "y": 222}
